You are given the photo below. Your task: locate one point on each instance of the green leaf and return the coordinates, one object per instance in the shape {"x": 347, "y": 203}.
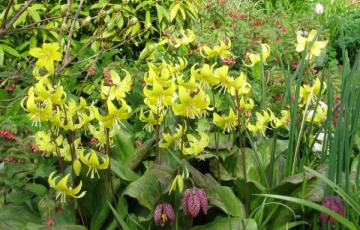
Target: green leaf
{"x": 146, "y": 190}
{"x": 123, "y": 171}
{"x": 174, "y": 10}
{"x": 315, "y": 206}
{"x": 37, "y": 189}
{"x": 1, "y": 56}
{"x": 118, "y": 218}
{"x": 237, "y": 223}
{"x": 9, "y": 50}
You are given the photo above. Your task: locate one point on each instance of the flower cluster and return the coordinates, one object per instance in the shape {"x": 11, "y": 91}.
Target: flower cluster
{"x": 7, "y": 135}
{"x": 335, "y": 204}
{"x": 195, "y": 200}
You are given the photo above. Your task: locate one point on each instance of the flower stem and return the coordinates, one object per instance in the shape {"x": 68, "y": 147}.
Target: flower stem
{"x": 243, "y": 157}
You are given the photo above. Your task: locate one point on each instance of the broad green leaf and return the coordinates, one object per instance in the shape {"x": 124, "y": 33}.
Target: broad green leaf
{"x": 1, "y": 56}
{"x": 123, "y": 171}
{"x": 33, "y": 14}
{"x": 146, "y": 190}
{"x": 37, "y": 189}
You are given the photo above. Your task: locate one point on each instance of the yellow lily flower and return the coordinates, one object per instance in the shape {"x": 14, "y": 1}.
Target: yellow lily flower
{"x": 239, "y": 85}
{"x": 44, "y": 141}
{"x": 174, "y": 69}
{"x": 119, "y": 87}
{"x": 315, "y": 48}
{"x": 114, "y": 115}
{"x": 196, "y": 146}
{"x": 191, "y": 104}
{"x": 189, "y": 84}
{"x": 222, "y": 50}
{"x": 262, "y": 121}
{"x": 205, "y": 74}
{"x": 152, "y": 119}
{"x": 169, "y": 139}
{"x": 187, "y": 37}
{"x": 38, "y": 73}
{"x": 47, "y": 54}
{"x": 99, "y": 134}
{"x": 91, "y": 159}
{"x": 319, "y": 113}
{"x": 283, "y": 120}
{"x": 160, "y": 73}
{"x": 307, "y": 91}
{"x": 179, "y": 181}
{"x": 255, "y": 58}
{"x": 158, "y": 95}
{"x": 228, "y": 122}
{"x": 38, "y": 111}
{"x": 63, "y": 189}
{"x": 246, "y": 103}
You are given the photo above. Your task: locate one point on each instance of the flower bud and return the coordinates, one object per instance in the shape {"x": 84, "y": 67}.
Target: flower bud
{"x": 319, "y": 9}
{"x": 163, "y": 214}
{"x": 335, "y": 204}
{"x": 194, "y": 200}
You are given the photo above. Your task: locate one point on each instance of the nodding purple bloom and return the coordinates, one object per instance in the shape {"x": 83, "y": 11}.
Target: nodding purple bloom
{"x": 163, "y": 214}
{"x": 335, "y": 204}
{"x": 194, "y": 200}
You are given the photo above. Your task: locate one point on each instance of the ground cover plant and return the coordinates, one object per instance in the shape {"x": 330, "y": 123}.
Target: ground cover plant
{"x": 214, "y": 114}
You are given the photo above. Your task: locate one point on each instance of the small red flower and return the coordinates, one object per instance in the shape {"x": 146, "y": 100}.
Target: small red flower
{"x": 163, "y": 214}
{"x": 7, "y": 135}
{"x": 106, "y": 72}
{"x": 314, "y": 71}
{"x": 228, "y": 61}
{"x": 282, "y": 30}
{"x": 241, "y": 16}
{"x": 93, "y": 141}
{"x": 91, "y": 71}
{"x": 138, "y": 143}
{"x": 10, "y": 88}
{"x": 294, "y": 64}
{"x": 34, "y": 148}
{"x": 58, "y": 210}
{"x": 277, "y": 39}
{"x": 254, "y": 41}
{"x": 279, "y": 97}
{"x": 108, "y": 80}
{"x": 50, "y": 221}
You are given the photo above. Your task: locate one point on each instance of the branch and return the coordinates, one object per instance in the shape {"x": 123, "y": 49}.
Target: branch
{"x": 18, "y": 14}
{"x": 6, "y": 14}
{"x": 68, "y": 45}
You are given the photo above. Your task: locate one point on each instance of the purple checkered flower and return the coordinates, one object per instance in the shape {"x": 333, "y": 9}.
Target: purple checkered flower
{"x": 194, "y": 200}
{"x": 163, "y": 214}
{"x": 335, "y": 204}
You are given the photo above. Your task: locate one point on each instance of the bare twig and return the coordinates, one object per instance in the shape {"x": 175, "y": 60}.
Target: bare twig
{"x": 6, "y": 14}
{"x": 17, "y": 15}
{"x": 68, "y": 45}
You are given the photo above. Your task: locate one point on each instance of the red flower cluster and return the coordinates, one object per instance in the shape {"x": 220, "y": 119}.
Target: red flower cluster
{"x": 194, "y": 200}
{"x": 7, "y": 135}
{"x": 10, "y": 159}
{"x": 228, "y": 61}
{"x": 335, "y": 204}
{"x": 91, "y": 71}
{"x": 163, "y": 214}
{"x": 10, "y": 88}
{"x": 34, "y": 148}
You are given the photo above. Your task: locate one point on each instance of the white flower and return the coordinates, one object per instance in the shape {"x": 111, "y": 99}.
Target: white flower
{"x": 317, "y": 147}
{"x": 319, "y": 9}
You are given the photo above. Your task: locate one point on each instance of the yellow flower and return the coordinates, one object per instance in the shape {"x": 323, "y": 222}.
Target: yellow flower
{"x": 228, "y": 122}
{"x": 262, "y": 121}
{"x": 152, "y": 119}
{"x": 158, "y": 95}
{"x": 283, "y": 120}
{"x": 187, "y": 37}
{"x": 246, "y": 103}
{"x": 91, "y": 159}
{"x": 174, "y": 69}
{"x": 255, "y": 58}
{"x": 44, "y": 90}
{"x": 239, "y": 85}
{"x": 119, "y": 87}
{"x": 47, "y": 54}
{"x": 114, "y": 113}
{"x": 222, "y": 50}
{"x": 169, "y": 139}
{"x": 38, "y": 111}
{"x": 160, "y": 74}
{"x": 191, "y": 104}
{"x": 63, "y": 189}
{"x": 315, "y": 48}
{"x": 189, "y": 84}
{"x": 99, "y": 134}
{"x": 308, "y": 92}
{"x": 44, "y": 141}
{"x": 196, "y": 146}
{"x": 76, "y": 165}
{"x": 179, "y": 181}
{"x": 319, "y": 113}
{"x": 204, "y": 75}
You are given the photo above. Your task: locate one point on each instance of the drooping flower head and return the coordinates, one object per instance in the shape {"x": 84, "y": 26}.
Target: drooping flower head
{"x": 62, "y": 187}
{"x": 163, "y": 214}
{"x": 195, "y": 200}
{"x": 315, "y": 48}
{"x": 335, "y": 204}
